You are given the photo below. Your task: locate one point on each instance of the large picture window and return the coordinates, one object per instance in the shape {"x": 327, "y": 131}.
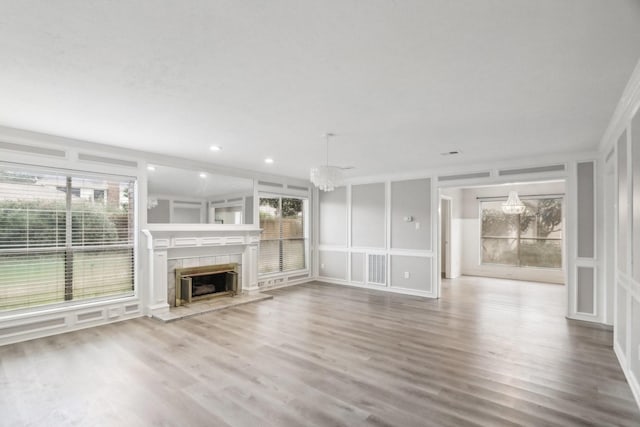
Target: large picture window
{"x": 64, "y": 238}
{"x": 283, "y": 242}
{"x": 530, "y": 239}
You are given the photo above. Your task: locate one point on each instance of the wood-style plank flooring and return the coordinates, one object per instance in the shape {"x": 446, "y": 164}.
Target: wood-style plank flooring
{"x": 489, "y": 352}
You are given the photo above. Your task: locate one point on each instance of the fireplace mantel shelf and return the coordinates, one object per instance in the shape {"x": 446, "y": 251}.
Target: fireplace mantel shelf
{"x": 193, "y": 235}
{"x": 226, "y": 228}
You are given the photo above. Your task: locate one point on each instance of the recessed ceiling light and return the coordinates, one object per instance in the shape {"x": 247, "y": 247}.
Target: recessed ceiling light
{"x": 203, "y": 175}
{"x": 151, "y": 168}
{"x": 215, "y": 148}
{"x": 268, "y": 160}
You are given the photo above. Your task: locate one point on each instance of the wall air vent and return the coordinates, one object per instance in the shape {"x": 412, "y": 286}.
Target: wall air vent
{"x": 539, "y": 169}
{"x": 377, "y": 272}
{"x": 296, "y": 187}
{"x": 270, "y": 184}
{"x": 31, "y": 149}
{"x": 107, "y": 160}
{"x": 464, "y": 176}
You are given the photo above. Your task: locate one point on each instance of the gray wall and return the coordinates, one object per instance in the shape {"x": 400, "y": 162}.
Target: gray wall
{"x": 586, "y": 205}
{"x": 411, "y": 198}
{"x": 160, "y": 214}
{"x": 367, "y": 215}
{"x": 333, "y": 264}
{"x": 419, "y": 269}
{"x": 333, "y": 217}
{"x": 357, "y": 267}
{"x": 248, "y": 210}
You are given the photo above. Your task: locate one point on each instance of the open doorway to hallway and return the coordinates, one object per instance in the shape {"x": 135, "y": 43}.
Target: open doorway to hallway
{"x": 478, "y": 238}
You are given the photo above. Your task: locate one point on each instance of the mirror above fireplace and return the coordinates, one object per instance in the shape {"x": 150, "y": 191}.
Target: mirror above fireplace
{"x": 188, "y": 196}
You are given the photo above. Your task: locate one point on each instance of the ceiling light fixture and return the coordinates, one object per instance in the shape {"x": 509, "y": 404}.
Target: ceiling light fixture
{"x": 215, "y": 148}
{"x": 327, "y": 177}
{"x": 513, "y": 205}
{"x": 268, "y": 160}
{"x": 151, "y": 168}
{"x": 203, "y": 175}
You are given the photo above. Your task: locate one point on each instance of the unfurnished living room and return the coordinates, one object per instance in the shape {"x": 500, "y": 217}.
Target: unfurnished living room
{"x": 320, "y": 213}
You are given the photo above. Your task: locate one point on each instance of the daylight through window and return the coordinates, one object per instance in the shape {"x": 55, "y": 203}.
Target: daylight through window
{"x": 64, "y": 238}
{"x": 530, "y": 239}
{"x": 283, "y": 242}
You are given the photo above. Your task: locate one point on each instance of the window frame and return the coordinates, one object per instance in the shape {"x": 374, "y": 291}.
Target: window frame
{"x": 78, "y": 173}
{"x": 307, "y": 239}
{"x": 519, "y": 265}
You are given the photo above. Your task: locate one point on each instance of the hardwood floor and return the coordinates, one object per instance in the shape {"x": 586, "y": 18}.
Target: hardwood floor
{"x": 489, "y": 352}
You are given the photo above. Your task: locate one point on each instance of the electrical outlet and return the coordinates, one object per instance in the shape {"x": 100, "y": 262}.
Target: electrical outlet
{"x": 406, "y": 275}
{"x": 321, "y": 265}
{"x": 417, "y": 226}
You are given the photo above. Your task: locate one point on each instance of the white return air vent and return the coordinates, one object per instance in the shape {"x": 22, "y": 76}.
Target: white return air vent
{"x": 107, "y": 160}
{"x": 464, "y": 176}
{"x": 539, "y": 169}
{"x": 31, "y": 149}
{"x": 377, "y": 271}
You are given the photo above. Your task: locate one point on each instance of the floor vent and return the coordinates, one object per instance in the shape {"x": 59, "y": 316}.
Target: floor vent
{"x": 464, "y": 176}
{"x": 31, "y": 149}
{"x": 540, "y": 169}
{"x": 377, "y": 272}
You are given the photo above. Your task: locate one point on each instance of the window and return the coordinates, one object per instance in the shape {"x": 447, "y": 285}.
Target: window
{"x": 57, "y": 243}
{"x": 283, "y": 243}
{"x": 531, "y": 239}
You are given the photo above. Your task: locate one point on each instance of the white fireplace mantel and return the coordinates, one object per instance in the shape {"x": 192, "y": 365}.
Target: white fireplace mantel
{"x": 176, "y": 240}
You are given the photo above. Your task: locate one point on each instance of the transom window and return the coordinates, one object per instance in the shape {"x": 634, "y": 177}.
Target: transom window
{"x": 64, "y": 237}
{"x": 530, "y": 239}
{"x": 283, "y": 242}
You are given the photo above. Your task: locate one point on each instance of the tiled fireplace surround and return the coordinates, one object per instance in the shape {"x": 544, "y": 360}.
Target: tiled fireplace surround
{"x": 171, "y": 246}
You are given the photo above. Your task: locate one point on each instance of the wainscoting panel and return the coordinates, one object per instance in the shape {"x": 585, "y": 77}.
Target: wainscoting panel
{"x": 333, "y": 265}
{"x": 411, "y": 272}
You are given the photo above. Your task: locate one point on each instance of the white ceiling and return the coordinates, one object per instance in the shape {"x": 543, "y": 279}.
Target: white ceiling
{"x": 398, "y": 81}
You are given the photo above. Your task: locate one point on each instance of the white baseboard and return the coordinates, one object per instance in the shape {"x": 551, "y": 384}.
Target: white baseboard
{"x": 402, "y": 291}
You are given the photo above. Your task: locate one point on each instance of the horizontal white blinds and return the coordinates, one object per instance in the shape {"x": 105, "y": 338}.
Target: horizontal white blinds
{"x": 283, "y": 240}
{"x": 64, "y": 238}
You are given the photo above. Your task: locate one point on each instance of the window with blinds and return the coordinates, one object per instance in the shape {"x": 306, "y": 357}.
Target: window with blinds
{"x": 64, "y": 238}
{"x": 283, "y": 243}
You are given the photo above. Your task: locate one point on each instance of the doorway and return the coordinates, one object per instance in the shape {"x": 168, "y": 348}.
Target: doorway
{"x": 445, "y": 237}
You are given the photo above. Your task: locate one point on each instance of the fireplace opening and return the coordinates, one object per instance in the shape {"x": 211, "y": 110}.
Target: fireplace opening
{"x": 208, "y": 284}
{"x": 205, "y": 282}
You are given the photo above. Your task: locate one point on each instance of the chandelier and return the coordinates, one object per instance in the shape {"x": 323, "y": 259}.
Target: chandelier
{"x": 513, "y": 205}
{"x": 327, "y": 177}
